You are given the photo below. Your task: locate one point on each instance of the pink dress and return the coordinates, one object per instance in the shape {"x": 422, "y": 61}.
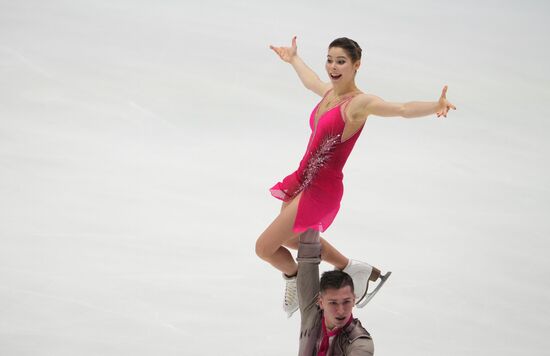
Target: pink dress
{"x": 319, "y": 175}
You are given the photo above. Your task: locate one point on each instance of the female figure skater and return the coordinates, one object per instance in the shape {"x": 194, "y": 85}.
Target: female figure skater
{"x": 311, "y": 195}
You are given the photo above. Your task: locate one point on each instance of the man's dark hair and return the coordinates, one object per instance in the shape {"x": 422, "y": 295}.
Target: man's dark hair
{"x": 349, "y": 46}
{"x": 335, "y": 280}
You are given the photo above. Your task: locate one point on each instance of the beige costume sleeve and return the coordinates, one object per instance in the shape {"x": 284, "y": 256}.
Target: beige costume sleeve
{"x": 309, "y": 257}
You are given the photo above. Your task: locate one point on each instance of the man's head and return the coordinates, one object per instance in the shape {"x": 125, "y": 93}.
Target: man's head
{"x": 336, "y": 298}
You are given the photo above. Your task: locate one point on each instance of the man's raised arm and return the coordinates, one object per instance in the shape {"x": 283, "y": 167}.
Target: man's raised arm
{"x": 309, "y": 257}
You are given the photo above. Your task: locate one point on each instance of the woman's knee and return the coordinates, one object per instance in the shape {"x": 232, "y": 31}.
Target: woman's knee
{"x": 276, "y": 234}
{"x": 262, "y": 250}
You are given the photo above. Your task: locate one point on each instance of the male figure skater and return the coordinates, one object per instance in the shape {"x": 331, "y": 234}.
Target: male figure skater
{"x": 327, "y": 324}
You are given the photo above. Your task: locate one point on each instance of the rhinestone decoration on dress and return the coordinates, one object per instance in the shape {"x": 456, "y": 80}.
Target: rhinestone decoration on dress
{"x": 318, "y": 160}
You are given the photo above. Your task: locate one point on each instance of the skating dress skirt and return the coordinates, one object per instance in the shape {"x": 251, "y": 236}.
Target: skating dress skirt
{"x": 319, "y": 175}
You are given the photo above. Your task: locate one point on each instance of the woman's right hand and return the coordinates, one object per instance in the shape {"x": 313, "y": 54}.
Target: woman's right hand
{"x": 286, "y": 53}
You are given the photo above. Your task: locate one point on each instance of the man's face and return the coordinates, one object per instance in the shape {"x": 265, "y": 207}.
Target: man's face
{"x": 337, "y": 305}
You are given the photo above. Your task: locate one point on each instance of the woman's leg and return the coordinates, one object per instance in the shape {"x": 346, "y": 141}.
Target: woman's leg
{"x": 328, "y": 253}
{"x": 269, "y": 245}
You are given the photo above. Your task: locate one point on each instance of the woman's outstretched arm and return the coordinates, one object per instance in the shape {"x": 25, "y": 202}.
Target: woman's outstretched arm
{"x": 373, "y": 105}
{"x": 308, "y": 77}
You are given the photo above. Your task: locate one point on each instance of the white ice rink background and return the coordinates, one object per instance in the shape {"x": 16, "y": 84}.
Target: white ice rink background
{"x": 138, "y": 140}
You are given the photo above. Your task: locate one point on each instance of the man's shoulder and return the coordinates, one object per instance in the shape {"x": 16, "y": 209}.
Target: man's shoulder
{"x": 356, "y": 331}
{"x": 359, "y": 341}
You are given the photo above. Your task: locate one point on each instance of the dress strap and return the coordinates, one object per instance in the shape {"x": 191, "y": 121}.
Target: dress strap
{"x": 346, "y": 101}
{"x": 344, "y": 105}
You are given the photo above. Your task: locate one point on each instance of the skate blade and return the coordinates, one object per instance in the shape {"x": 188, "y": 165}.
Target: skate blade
{"x": 368, "y": 296}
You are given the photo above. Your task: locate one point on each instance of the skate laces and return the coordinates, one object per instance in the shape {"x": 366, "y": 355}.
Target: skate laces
{"x": 290, "y": 304}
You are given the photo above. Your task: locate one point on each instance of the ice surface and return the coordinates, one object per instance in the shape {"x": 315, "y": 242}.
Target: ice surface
{"x": 138, "y": 140}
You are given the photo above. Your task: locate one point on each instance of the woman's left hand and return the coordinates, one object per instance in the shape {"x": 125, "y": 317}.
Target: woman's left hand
{"x": 444, "y": 104}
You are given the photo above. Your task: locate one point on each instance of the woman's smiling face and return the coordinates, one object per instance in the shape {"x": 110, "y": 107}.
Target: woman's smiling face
{"x": 339, "y": 65}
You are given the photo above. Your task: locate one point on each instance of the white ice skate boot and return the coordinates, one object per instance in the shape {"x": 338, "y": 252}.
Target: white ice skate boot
{"x": 290, "y": 304}
{"x": 362, "y": 273}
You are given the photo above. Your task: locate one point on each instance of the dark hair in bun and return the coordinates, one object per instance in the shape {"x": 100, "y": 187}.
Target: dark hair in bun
{"x": 350, "y": 46}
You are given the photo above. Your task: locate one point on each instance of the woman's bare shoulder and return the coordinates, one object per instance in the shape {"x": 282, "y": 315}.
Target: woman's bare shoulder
{"x": 323, "y": 89}
{"x": 357, "y": 106}
{"x": 363, "y": 99}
